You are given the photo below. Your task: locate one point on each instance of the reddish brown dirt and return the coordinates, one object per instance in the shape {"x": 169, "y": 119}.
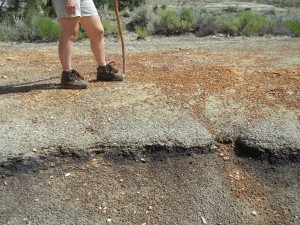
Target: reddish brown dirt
{"x": 250, "y": 77}
{"x": 255, "y": 75}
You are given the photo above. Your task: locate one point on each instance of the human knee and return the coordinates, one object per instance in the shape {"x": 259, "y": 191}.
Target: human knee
{"x": 71, "y": 34}
{"x": 68, "y": 30}
{"x": 99, "y": 33}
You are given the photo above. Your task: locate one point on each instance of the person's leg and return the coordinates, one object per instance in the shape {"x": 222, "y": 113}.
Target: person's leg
{"x": 69, "y": 29}
{"x": 70, "y": 78}
{"x": 95, "y": 31}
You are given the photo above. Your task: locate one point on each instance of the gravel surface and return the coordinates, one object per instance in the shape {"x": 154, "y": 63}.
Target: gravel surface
{"x": 173, "y": 144}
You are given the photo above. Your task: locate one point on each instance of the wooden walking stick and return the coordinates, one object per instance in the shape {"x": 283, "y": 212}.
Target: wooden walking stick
{"x": 121, "y": 34}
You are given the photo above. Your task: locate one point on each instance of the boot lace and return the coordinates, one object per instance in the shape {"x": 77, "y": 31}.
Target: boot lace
{"x": 111, "y": 68}
{"x": 75, "y": 75}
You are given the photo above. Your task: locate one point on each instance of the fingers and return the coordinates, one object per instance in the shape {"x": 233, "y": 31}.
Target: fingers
{"x": 71, "y": 9}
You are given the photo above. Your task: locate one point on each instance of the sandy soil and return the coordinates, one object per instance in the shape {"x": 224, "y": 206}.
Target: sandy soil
{"x": 257, "y": 74}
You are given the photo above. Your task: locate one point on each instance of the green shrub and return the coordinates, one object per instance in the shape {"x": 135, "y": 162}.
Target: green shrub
{"x": 142, "y": 32}
{"x": 3, "y": 34}
{"x": 252, "y": 23}
{"x": 144, "y": 17}
{"x": 294, "y": 26}
{"x": 110, "y": 29}
{"x": 114, "y": 30}
{"x": 130, "y": 4}
{"x": 206, "y": 24}
{"x": 174, "y": 22}
{"x": 46, "y": 28}
{"x": 187, "y": 18}
{"x": 106, "y": 25}
{"x": 17, "y": 30}
{"x": 170, "y": 21}
{"x": 228, "y": 24}
{"x": 29, "y": 28}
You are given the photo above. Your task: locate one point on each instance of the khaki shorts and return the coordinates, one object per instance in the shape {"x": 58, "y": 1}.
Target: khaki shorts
{"x": 83, "y": 8}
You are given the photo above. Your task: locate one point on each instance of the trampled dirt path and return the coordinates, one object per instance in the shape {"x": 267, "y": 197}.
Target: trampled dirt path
{"x": 226, "y": 84}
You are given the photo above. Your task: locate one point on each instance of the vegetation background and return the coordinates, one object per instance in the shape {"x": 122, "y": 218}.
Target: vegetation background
{"x": 34, "y": 20}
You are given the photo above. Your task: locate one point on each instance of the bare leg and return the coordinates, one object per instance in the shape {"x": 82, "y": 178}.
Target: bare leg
{"x": 69, "y": 29}
{"x": 95, "y": 31}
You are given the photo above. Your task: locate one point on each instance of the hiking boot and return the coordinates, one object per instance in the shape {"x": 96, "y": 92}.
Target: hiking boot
{"x": 108, "y": 73}
{"x": 73, "y": 80}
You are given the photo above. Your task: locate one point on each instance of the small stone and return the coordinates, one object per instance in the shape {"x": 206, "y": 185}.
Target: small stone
{"x": 108, "y": 220}
{"x": 203, "y": 220}
{"x": 121, "y": 180}
{"x": 237, "y": 177}
{"x": 5, "y": 183}
{"x": 143, "y": 160}
{"x": 5, "y": 77}
{"x": 213, "y": 147}
{"x": 34, "y": 150}
{"x": 150, "y": 207}
{"x": 226, "y": 158}
{"x": 36, "y": 200}
{"x": 67, "y": 174}
{"x": 254, "y": 213}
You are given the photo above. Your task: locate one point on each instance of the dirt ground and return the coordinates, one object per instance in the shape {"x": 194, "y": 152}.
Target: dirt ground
{"x": 259, "y": 74}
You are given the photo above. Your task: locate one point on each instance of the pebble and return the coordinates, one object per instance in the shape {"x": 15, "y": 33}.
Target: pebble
{"x": 67, "y": 174}
{"x": 254, "y": 213}
{"x": 203, "y": 220}
{"x": 237, "y": 176}
{"x": 34, "y": 150}
{"x": 214, "y": 147}
{"x": 108, "y": 220}
{"x": 226, "y": 158}
{"x": 143, "y": 160}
